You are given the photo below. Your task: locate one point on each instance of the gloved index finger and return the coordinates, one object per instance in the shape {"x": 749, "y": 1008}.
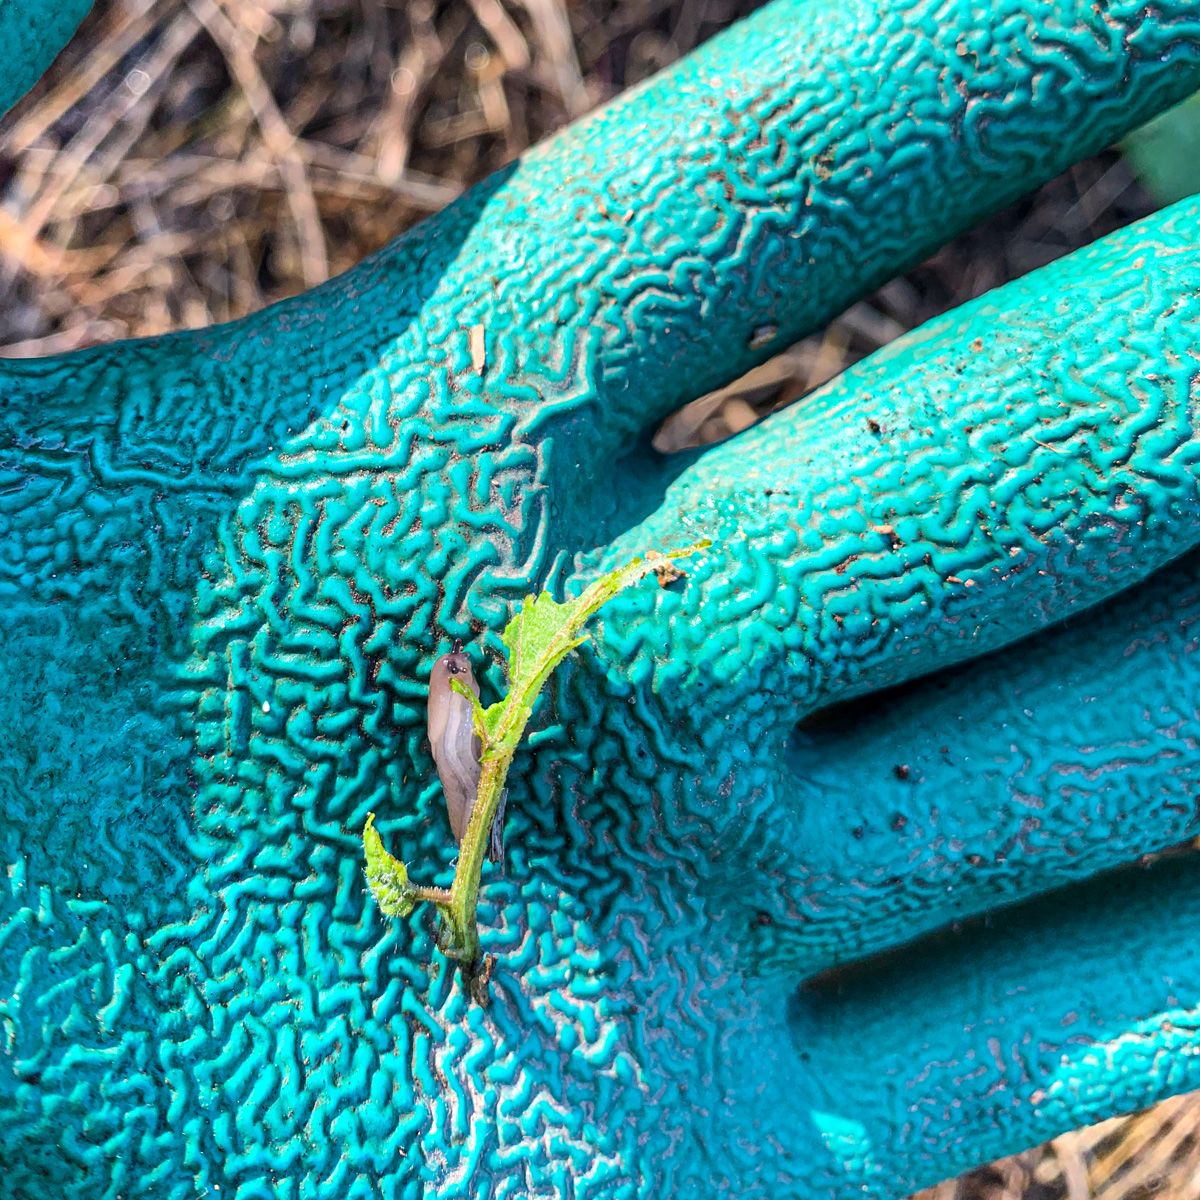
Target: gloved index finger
{"x": 1003, "y": 466}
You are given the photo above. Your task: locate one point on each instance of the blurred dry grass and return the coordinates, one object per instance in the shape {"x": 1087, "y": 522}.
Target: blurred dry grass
{"x": 188, "y": 161}
{"x": 1155, "y": 1154}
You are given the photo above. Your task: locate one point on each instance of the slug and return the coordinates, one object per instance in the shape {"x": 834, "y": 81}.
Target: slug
{"x": 456, "y": 747}
{"x": 452, "y": 737}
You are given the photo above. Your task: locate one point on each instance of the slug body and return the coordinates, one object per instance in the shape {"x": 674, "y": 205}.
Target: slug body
{"x": 456, "y": 748}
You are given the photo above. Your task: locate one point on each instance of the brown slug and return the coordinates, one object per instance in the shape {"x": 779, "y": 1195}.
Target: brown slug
{"x": 452, "y": 736}
{"x": 456, "y": 748}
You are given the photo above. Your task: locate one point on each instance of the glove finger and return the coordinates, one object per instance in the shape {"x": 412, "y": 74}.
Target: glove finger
{"x": 998, "y": 469}
{"x": 1069, "y": 754}
{"x": 775, "y": 177}
{"x": 1055, "y": 1015}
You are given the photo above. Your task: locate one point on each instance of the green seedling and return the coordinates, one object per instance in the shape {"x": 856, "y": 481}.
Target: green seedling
{"x": 536, "y": 640}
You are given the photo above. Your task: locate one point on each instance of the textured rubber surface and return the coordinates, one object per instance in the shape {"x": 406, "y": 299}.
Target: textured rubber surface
{"x": 990, "y": 473}
{"x": 228, "y": 559}
{"x": 32, "y": 34}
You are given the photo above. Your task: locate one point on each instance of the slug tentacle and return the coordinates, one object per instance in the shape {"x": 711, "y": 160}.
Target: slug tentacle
{"x": 456, "y": 747}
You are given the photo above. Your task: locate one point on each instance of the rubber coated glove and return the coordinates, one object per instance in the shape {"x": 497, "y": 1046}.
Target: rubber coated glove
{"x": 228, "y": 559}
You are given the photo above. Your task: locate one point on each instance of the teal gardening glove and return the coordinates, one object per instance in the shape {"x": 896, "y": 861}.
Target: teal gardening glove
{"x": 229, "y": 558}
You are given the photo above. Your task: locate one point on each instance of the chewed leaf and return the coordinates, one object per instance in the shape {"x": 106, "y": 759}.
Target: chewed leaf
{"x": 544, "y": 632}
{"x": 386, "y": 876}
{"x": 538, "y": 638}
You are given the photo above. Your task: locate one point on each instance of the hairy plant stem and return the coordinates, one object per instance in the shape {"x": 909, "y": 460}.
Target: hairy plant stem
{"x": 459, "y": 910}
{"x": 537, "y": 639}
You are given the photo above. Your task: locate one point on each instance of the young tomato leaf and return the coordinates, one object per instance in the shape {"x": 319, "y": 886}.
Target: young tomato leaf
{"x": 387, "y": 876}
{"x": 544, "y": 632}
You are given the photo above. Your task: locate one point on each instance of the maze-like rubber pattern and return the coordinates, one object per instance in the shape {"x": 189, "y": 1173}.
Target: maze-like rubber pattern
{"x": 228, "y": 558}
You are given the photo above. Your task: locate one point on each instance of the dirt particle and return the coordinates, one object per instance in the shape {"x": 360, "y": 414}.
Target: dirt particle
{"x": 763, "y": 336}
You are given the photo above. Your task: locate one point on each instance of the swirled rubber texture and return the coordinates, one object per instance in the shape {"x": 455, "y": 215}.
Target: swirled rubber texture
{"x": 32, "y": 34}
{"x": 228, "y": 559}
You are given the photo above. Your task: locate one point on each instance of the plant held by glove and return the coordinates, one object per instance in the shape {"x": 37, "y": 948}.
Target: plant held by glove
{"x": 475, "y": 756}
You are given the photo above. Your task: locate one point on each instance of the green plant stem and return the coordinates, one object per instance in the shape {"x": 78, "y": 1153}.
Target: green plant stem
{"x": 463, "y": 897}
{"x": 431, "y": 895}
{"x": 537, "y": 639}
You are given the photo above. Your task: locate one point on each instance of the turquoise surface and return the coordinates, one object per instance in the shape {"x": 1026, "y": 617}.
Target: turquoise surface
{"x": 940, "y": 662}
{"x": 32, "y": 32}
